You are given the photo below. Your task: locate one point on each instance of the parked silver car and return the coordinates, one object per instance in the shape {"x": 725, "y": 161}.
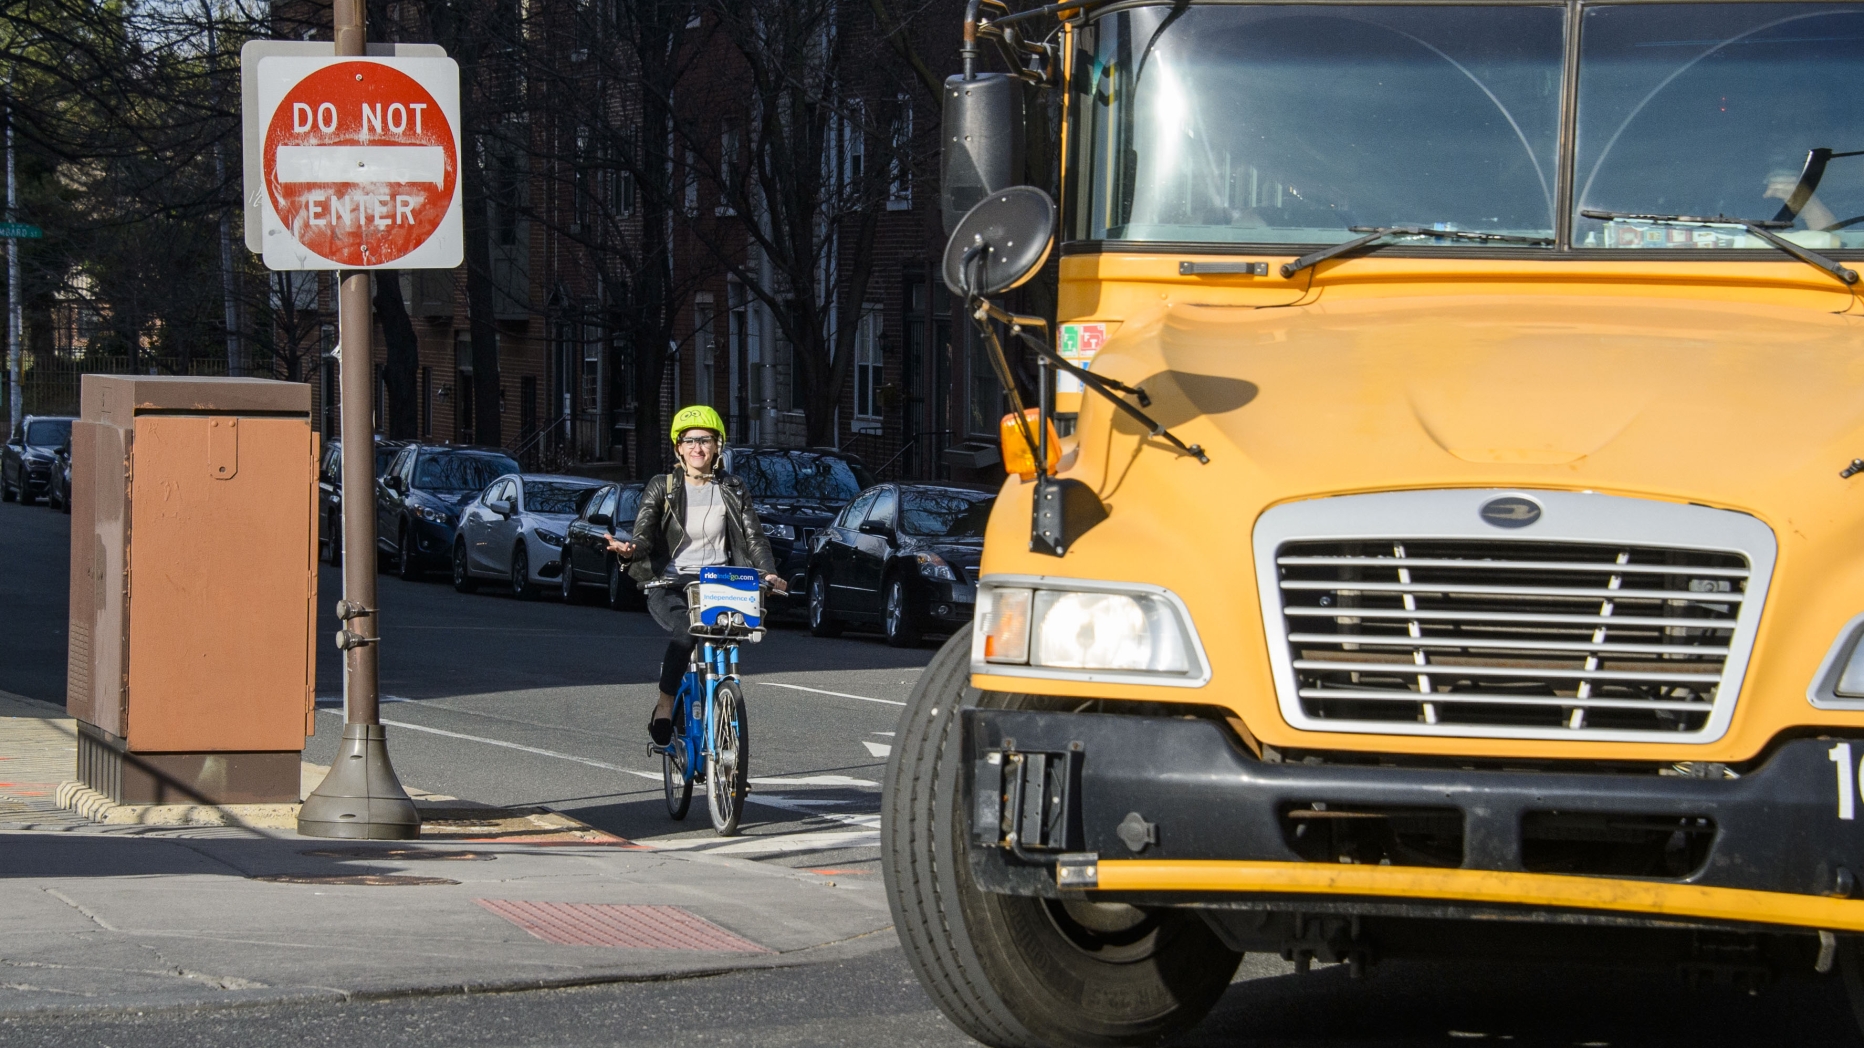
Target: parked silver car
{"x": 514, "y": 530}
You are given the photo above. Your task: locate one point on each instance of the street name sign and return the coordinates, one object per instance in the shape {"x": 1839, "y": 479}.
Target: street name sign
{"x": 20, "y": 231}
{"x": 359, "y": 163}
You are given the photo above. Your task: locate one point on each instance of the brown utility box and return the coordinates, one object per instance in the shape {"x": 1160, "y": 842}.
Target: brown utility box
{"x": 193, "y": 588}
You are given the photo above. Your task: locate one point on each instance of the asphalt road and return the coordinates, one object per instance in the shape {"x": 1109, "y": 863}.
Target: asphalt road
{"x": 510, "y": 702}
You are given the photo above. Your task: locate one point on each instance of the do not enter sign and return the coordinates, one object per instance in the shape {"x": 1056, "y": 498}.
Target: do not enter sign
{"x": 360, "y": 163}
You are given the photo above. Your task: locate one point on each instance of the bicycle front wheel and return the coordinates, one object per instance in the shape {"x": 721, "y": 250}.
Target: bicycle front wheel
{"x": 728, "y": 765}
{"x": 678, "y": 784}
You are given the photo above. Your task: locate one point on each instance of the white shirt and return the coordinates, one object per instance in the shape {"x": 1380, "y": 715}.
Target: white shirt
{"x": 704, "y": 544}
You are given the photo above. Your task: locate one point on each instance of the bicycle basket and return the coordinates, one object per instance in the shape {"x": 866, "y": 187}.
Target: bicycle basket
{"x": 726, "y": 602}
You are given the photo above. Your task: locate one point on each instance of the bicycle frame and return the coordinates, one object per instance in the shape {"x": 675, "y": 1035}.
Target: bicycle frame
{"x": 712, "y": 663}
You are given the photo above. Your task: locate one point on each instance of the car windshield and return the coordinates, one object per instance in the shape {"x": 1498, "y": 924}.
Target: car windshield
{"x": 798, "y": 474}
{"x": 945, "y": 514}
{"x": 48, "y": 433}
{"x": 1716, "y": 109}
{"x": 1291, "y": 123}
{"x": 542, "y": 496}
{"x": 461, "y": 470}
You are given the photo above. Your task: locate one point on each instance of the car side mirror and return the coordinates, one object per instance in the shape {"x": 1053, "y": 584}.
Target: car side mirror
{"x": 502, "y": 507}
{"x": 875, "y": 527}
{"x": 601, "y": 519}
{"x": 392, "y": 482}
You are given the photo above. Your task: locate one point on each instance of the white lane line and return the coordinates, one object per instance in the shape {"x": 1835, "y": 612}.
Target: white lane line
{"x": 812, "y": 780}
{"x": 819, "y": 691}
{"x": 878, "y": 749}
{"x": 867, "y": 821}
{"x": 819, "y": 840}
{"x": 337, "y": 700}
{"x": 510, "y": 746}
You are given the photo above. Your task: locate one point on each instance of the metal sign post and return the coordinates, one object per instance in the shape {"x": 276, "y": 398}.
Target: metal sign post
{"x": 357, "y": 167}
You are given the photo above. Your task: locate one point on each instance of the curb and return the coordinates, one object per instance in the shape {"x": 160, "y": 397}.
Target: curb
{"x": 88, "y": 803}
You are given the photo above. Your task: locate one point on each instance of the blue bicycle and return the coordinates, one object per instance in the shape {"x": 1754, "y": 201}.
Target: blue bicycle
{"x": 711, "y": 729}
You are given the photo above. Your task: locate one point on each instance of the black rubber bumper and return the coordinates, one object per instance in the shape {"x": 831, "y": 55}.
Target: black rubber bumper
{"x": 1184, "y": 788}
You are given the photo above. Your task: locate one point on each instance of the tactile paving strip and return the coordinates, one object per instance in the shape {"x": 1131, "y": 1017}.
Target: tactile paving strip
{"x": 634, "y": 927}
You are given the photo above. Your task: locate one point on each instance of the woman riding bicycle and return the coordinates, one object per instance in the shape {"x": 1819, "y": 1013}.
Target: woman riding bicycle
{"x": 696, "y": 517}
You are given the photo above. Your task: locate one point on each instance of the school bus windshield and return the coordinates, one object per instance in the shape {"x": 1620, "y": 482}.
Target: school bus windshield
{"x": 1291, "y": 124}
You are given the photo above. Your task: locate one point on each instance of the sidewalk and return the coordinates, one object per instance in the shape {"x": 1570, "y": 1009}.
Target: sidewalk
{"x": 138, "y": 916}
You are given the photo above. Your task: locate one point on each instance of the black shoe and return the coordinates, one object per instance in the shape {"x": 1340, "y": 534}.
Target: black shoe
{"x": 660, "y": 729}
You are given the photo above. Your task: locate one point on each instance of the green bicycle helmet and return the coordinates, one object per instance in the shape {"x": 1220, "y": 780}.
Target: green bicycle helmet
{"x": 697, "y": 416}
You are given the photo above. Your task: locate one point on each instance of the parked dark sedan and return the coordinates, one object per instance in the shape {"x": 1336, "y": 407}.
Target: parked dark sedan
{"x": 610, "y": 511}
{"x": 902, "y": 555}
{"x": 419, "y": 498}
{"x": 330, "y": 493}
{"x": 58, "y": 486}
{"x": 26, "y": 460}
{"x": 796, "y": 492}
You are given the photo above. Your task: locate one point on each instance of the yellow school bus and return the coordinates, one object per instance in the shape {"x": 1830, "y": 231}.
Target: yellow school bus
{"x": 1453, "y": 539}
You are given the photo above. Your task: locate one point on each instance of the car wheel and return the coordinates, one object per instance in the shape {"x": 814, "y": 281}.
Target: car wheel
{"x": 7, "y": 494}
{"x": 822, "y": 621}
{"x": 901, "y": 621}
{"x": 521, "y": 585}
{"x": 572, "y": 594}
{"x": 1012, "y": 969}
{"x": 406, "y": 566}
{"x": 462, "y": 578}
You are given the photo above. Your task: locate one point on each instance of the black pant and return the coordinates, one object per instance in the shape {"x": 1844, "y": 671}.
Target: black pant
{"x": 667, "y": 604}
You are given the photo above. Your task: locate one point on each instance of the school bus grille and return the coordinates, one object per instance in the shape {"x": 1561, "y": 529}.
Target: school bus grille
{"x": 1591, "y": 639}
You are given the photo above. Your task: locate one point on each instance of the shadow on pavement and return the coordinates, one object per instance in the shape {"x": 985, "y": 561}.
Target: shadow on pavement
{"x": 1415, "y": 1003}
{"x": 437, "y": 642}
{"x": 50, "y": 855}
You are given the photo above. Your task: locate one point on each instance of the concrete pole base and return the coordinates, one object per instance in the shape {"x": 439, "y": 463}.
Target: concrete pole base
{"x": 361, "y": 798}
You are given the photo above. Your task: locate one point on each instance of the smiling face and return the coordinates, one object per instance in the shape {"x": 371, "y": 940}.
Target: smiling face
{"x": 698, "y": 449}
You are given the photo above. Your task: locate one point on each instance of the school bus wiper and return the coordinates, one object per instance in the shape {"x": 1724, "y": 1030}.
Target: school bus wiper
{"x": 1763, "y": 230}
{"x": 1376, "y": 233}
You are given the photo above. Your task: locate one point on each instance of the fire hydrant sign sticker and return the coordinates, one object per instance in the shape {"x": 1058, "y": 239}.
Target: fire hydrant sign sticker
{"x": 360, "y": 162}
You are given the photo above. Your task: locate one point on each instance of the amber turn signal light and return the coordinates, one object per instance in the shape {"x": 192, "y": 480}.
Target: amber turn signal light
{"x": 1018, "y": 457}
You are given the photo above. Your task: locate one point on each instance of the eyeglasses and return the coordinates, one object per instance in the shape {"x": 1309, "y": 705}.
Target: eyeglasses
{"x": 697, "y": 442}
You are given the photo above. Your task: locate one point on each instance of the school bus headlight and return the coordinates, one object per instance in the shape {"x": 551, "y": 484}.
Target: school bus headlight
{"x": 1086, "y": 629}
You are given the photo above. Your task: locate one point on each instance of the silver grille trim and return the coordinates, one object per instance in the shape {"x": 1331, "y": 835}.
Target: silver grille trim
{"x": 1609, "y": 619}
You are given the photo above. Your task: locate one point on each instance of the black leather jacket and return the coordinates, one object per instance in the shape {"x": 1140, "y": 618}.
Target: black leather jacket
{"x": 660, "y": 527}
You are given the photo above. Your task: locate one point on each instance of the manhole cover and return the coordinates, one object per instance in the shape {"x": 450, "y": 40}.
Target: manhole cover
{"x": 398, "y": 853}
{"x": 628, "y": 927}
{"x": 371, "y": 879}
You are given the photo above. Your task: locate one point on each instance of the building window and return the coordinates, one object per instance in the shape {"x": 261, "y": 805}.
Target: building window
{"x": 867, "y": 372}
{"x": 462, "y": 389}
{"x": 853, "y": 145}
{"x": 427, "y": 402}
{"x": 692, "y": 185}
{"x": 591, "y": 369}
{"x": 705, "y": 345}
{"x": 581, "y": 195}
{"x": 729, "y": 169}
{"x": 621, "y": 186}
{"x": 900, "y": 160}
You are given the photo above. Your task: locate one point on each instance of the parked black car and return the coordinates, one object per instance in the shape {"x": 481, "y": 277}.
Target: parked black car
{"x": 902, "y": 555}
{"x": 797, "y": 492}
{"x": 58, "y": 486}
{"x": 418, "y": 501}
{"x": 330, "y": 493}
{"x": 26, "y": 460}
{"x": 610, "y": 511}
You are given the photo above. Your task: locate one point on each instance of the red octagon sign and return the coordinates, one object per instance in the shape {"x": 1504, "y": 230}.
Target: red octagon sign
{"x": 360, "y": 163}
